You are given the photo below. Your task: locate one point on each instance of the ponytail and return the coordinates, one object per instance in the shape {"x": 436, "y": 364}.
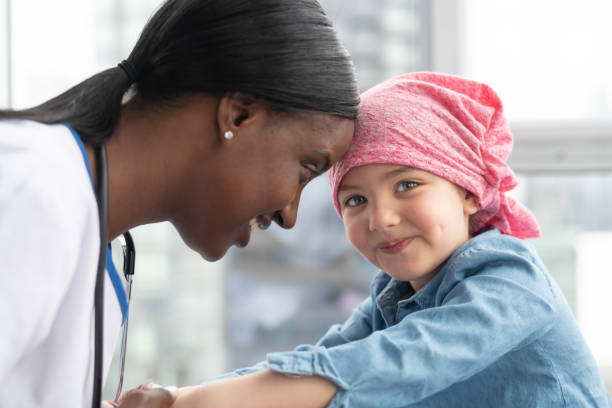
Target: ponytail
{"x": 91, "y": 107}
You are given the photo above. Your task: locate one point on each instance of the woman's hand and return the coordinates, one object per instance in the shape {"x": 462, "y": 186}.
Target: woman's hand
{"x": 148, "y": 395}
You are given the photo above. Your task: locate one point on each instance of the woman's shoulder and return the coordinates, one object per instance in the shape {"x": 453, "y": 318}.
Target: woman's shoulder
{"x": 42, "y": 169}
{"x": 21, "y": 139}
{"x": 30, "y": 148}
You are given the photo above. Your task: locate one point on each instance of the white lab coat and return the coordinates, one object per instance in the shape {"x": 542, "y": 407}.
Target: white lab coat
{"x": 49, "y": 239}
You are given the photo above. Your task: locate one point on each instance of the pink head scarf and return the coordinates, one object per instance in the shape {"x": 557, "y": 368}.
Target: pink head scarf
{"x": 449, "y": 126}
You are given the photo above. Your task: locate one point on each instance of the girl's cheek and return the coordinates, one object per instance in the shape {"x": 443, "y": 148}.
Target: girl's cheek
{"x": 355, "y": 233}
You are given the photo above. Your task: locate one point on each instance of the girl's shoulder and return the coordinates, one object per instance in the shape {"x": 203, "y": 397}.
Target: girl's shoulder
{"x": 493, "y": 246}
{"x": 498, "y": 259}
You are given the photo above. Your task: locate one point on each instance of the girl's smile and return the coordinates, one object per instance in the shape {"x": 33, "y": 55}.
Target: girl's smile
{"x": 395, "y": 246}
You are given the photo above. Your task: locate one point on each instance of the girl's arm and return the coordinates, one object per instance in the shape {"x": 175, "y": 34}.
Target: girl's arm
{"x": 263, "y": 389}
{"x": 499, "y": 307}
{"x": 357, "y": 326}
{"x": 258, "y": 386}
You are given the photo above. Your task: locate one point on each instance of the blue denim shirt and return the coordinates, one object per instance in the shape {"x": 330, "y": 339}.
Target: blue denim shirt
{"x": 491, "y": 329}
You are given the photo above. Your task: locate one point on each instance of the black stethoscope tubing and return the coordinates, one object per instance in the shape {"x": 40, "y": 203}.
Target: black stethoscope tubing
{"x": 102, "y": 198}
{"x": 129, "y": 256}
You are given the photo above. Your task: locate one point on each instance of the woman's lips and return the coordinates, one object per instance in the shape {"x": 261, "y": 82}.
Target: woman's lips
{"x": 393, "y": 247}
{"x": 261, "y": 222}
{"x": 244, "y": 238}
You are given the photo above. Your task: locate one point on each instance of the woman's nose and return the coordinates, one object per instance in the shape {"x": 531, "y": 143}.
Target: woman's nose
{"x": 382, "y": 217}
{"x": 287, "y": 216}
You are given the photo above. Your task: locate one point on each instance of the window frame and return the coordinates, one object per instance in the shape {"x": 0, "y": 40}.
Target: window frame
{"x": 539, "y": 147}
{"x": 5, "y": 53}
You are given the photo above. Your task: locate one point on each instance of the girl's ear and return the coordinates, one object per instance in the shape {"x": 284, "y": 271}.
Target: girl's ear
{"x": 237, "y": 112}
{"x": 470, "y": 204}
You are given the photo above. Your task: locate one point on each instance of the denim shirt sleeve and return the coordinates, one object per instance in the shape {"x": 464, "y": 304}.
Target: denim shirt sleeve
{"x": 262, "y": 365}
{"x": 357, "y": 326}
{"x": 493, "y": 308}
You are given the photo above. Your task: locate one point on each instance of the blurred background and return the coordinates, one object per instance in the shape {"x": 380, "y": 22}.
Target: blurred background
{"x": 191, "y": 320}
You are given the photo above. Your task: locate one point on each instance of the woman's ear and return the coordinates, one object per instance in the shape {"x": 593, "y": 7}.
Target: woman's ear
{"x": 470, "y": 204}
{"x": 236, "y": 113}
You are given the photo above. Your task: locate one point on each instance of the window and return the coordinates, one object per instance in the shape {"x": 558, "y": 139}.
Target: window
{"x": 548, "y": 60}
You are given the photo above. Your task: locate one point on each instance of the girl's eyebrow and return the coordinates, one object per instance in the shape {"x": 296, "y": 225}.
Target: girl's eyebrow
{"x": 388, "y": 175}
{"x": 399, "y": 170}
{"x": 345, "y": 187}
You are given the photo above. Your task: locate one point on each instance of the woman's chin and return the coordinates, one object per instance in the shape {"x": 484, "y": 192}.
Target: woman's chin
{"x": 210, "y": 251}
{"x": 212, "y": 256}
{"x": 215, "y": 249}
{"x": 215, "y": 254}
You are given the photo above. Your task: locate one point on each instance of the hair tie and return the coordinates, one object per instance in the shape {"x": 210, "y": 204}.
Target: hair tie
{"x": 129, "y": 70}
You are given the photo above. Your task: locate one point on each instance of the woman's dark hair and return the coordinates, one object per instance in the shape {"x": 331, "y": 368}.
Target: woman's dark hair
{"x": 284, "y": 52}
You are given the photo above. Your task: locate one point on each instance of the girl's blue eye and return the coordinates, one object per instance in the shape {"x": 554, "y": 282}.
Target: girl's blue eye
{"x": 406, "y": 185}
{"x": 354, "y": 201}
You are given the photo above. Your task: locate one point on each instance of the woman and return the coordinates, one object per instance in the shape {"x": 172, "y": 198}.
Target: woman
{"x": 221, "y": 114}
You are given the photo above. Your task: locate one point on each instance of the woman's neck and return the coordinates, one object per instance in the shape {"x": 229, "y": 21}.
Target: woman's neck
{"x": 146, "y": 156}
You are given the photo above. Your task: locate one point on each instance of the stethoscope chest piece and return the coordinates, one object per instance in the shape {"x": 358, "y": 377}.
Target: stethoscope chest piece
{"x": 129, "y": 261}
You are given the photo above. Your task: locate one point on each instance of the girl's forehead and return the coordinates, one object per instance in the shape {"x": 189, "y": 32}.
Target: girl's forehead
{"x": 382, "y": 169}
{"x": 380, "y": 172}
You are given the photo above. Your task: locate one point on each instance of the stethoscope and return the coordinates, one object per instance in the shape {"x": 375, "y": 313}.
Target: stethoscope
{"x": 129, "y": 261}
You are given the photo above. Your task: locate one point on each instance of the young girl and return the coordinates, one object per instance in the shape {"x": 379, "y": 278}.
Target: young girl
{"x": 463, "y": 312}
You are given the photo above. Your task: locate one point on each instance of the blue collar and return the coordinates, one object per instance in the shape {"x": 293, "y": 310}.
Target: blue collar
{"x": 110, "y": 266}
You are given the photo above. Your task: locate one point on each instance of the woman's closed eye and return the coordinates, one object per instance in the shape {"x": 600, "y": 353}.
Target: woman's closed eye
{"x": 406, "y": 186}
{"x": 309, "y": 172}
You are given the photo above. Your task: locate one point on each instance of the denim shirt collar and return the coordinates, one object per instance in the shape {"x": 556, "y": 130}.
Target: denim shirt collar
{"x": 392, "y": 293}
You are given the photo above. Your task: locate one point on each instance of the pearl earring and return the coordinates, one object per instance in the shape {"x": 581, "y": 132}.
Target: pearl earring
{"x": 228, "y": 135}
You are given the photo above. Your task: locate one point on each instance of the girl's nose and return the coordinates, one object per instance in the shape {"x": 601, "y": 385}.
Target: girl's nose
{"x": 382, "y": 217}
